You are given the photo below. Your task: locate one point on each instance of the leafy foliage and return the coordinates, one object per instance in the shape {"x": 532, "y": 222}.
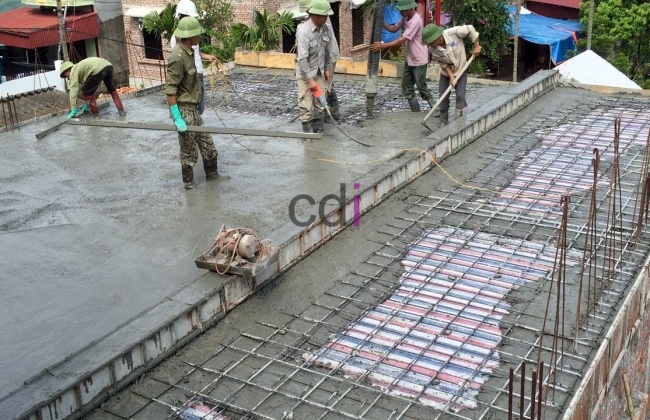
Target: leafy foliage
{"x": 215, "y": 17}
{"x": 163, "y": 24}
{"x": 266, "y": 32}
{"x": 222, "y": 46}
{"x": 489, "y": 17}
{"x": 621, "y": 35}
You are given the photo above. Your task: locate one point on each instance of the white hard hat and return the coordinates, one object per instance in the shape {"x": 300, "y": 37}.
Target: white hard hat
{"x": 187, "y": 8}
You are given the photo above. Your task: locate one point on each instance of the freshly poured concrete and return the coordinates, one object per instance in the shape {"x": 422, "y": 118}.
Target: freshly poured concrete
{"x": 96, "y": 228}
{"x": 311, "y": 279}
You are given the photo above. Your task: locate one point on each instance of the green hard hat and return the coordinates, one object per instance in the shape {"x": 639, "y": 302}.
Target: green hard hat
{"x": 320, "y": 8}
{"x": 304, "y": 5}
{"x": 406, "y": 5}
{"x": 430, "y": 33}
{"x": 188, "y": 27}
{"x": 65, "y": 66}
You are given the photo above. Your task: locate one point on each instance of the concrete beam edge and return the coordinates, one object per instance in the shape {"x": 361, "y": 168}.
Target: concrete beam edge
{"x": 606, "y": 345}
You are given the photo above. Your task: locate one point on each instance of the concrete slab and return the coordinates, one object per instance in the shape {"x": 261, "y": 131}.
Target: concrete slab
{"x": 316, "y": 300}
{"x": 96, "y": 231}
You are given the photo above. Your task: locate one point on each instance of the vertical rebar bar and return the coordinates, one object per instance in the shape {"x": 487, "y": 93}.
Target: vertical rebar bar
{"x": 510, "y": 391}
{"x": 522, "y": 389}
{"x": 533, "y": 395}
{"x": 540, "y": 378}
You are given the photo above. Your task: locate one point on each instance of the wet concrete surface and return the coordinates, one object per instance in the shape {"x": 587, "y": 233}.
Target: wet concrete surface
{"x": 308, "y": 285}
{"x": 95, "y": 227}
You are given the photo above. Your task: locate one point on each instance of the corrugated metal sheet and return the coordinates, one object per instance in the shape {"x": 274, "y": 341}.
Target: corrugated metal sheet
{"x": 34, "y": 28}
{"x": 435, "y": 339}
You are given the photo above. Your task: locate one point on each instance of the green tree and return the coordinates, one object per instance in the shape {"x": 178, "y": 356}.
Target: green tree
{"x": 215, "y": 17}
{"x": 621, "y": 35}
{"x": 163, "y": 24}
{"x": 266, "y": 32}
{"x": 490, "y": 18}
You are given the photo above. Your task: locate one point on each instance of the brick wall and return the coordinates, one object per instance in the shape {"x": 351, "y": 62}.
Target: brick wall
{"x": 139, "y": 66}
{"x": 635, "y": 364}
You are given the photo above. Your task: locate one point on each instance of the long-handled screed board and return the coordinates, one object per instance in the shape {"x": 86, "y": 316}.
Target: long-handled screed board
{"x": 61, "y": 124}
{"x": 196, "y": 129}
{"x": 444, "y": 95}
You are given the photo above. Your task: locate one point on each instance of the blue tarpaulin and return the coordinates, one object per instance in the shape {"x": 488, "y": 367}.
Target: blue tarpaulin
{"x": 559, "y": 34}
{"x": 391, "y": 17}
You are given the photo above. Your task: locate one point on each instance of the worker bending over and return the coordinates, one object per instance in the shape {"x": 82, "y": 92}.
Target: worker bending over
{"x": 183, "y": 90}
{"x": 335, "y": 54}
{"x": 417, "y": 58}
{"x": 89, "y": 73}
{"x": 313, "y": 64}
{"x": 186, "y": 8}
{"x": 447, "y": 47}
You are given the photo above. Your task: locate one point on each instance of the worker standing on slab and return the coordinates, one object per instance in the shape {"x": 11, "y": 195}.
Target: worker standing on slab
{"x": 447, "y": 47}
{"x": 89, "y": 73}
{"x": 417, "y": 58}
{"x": 335, "y": 54}
{"x": 186, "y": 8}
{"x": 183, "y": 90}
{"x": 314, "y": 64}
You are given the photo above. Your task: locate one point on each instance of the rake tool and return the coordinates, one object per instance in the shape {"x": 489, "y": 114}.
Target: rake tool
{"x": 444, "y": 95}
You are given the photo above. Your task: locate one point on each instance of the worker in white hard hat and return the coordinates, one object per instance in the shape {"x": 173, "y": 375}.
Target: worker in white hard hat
{"x": 314, "y": 65}
{"x": 188, "y": 8}
{"x": 335, "y": 54}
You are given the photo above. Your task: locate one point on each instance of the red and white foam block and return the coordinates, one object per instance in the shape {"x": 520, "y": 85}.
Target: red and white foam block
{"x": 435, "y": 338}
{"x": 561, "y": 165}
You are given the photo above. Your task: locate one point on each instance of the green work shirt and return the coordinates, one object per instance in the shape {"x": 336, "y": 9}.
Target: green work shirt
{"x": 182, "y": 78}
{"x": 81, "y": 71}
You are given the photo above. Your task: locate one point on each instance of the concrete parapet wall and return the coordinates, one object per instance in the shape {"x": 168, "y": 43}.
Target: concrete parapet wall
{"x": 628, "y": 334}
{"x": 81, "y": 382}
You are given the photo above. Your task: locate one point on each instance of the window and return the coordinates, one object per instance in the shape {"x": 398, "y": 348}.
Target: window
{"x": 358, "y": 29}
{"x": 152, "y": 45}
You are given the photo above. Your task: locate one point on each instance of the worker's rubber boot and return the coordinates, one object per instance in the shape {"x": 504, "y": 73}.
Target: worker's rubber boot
{"x": 458, "y": 113}
{"x": 317, "y": 123}
{"x": 333, "y": 104}
{"x": 118, "y": 103}
{"x": 431, "y": 102}
{"x": 92, "y": 104}
{"x": 444, "y": 117}
{"x": 211, "y": 172}
{"x": 414, "y": 104}
{"x": 307, "y": 127}
{"x": 188, "y": 177}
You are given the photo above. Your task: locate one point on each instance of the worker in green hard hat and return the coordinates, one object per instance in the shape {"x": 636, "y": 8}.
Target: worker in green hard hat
{"x": 447, "y": 47}
{"x": 89, "y": 73}
{"x": 417, "y": 58}
{"x": 314, "y": 64}
{"x": 183, "y": 90}
{"x": 335, "y": 54}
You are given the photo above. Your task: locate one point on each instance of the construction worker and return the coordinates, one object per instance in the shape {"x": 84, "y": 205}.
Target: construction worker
{"x": 186, "y": 8}
{"x": 447, "y": 47}
{"x": 335, "y": 54}
{"x": 183, "y": 90}
{"x": 417, "y": 58}
{"x": 314, "y": 64}
{"x": 89, "y": 73}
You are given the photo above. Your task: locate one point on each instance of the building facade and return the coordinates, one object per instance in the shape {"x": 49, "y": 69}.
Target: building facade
{"x": 147, "y": 54}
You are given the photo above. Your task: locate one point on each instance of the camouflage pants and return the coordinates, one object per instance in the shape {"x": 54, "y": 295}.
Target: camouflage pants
{"x": 193, "y": 143}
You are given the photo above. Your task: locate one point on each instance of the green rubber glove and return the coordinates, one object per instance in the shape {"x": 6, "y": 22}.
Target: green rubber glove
{"x": 178, "y": 118}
